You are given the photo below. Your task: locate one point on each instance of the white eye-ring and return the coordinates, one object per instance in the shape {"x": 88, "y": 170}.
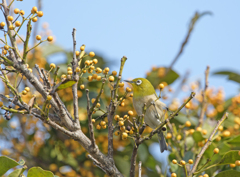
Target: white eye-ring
{"x": 138, "y": 82}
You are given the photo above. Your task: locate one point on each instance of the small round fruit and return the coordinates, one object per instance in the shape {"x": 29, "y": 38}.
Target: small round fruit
{"x": 39, "y": 13}
{"x": 95, "y": 61}
{"x": 10, "y": 18}
{"x": 114, "y": 73}
{"x": 82, "y": 48}
{"x": 78, "y": 69}
{"x": 22, "y": 12}
{"x": 16, "y": 11}
{"x": 205, "y": 175}
{"x": 218, "y": 138}
{"x": 34, "y": 19}
{"x": 50, "y": 38}
{"x": 131, "y": 132}
{"x": 98, "y": 105}
{"x": 188, "y": 124}
{"x": 6, "y": 47}
{"x": 99, "y": 78}
{"x": 116, "y": 117}
{"x": 238, "y": 152}
{"x": 169, "y": 136}
{"x": 11, "y": 27}
{"x": 93, "y": 120}
{"x": 52, "y": 65}
{"x": 190, "y": 161}
{"x": 182, "y": 162}
{"x": 128, "y": 89}
{"x": 174, "y": 161}
{"x": 91, "y": 54}
{"x": 1, "y": 104}
{"x": 188, "y": 105}
{"x": 82, "y": 86}
{"x": 87, "y": 62}
{"x": 2, "y": 24}
{"x": 98, "y": 127}
{"x": 179, "y": 137}
{"x": 120, "y": 123}
{"x": 17, "y": 23}
{"x": 220, "y": 128}
{"x": 102, "y": 123}
{"x": 121, "y": 84}
{"x": 63, "y": 76}
{"x": 27, "y": 89}
{"x": 38, "y": 37}
{"x": 106, "y": 69}
{"x": 204, "y": 132}
{"x": 124, "y": 135}
{"x": 4, "y": 52}
{"x": 24, "y": 92}
{"x": 111, "y": 78}
{"x": 199, "y": 129}
{"x": 34, "y": 9}
{"x": 161, "y": 86}
{"x": 77, "y": 53}
{"x": 191, "y": 131}
{"x": 226, "y": 133}
{"x": 69, "y": 68}
{"x": 104, "y": 126}
{"x": 69, "y": 72}
{"x": 93, "y": 100}
{"x": 173, "y": 175}
{"x": 237, "y": 162}
{"x": 117, "y": 133}
{"x": 232, "y": 165}
{"x": 130, "y": 113}
{"x": 49, "y": 97}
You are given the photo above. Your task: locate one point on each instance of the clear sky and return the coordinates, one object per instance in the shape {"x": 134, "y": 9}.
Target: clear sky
{"x": 150, "y": 33}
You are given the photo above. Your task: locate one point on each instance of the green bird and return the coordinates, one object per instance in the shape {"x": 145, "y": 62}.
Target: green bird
{"x": 144, "y": 92}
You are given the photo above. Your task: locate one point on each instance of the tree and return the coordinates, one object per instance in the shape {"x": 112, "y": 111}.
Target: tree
{"x": 107, "y": 105}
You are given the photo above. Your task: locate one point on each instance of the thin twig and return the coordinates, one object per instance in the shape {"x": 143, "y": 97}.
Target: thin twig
{"x": 204, "y": 101}
{"x": 208, "y": 143}
{"x": 140, "y": 169}
{"x": 133, "y": 161}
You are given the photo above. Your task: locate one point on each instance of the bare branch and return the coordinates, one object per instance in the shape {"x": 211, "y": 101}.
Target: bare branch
{"x": 140, "y": 169}
{"x": 204, "y": 101}
{"x": 133, "y": 160}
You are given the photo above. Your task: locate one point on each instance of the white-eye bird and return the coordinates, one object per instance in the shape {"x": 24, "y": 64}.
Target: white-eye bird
{"x": 144, "y": 92}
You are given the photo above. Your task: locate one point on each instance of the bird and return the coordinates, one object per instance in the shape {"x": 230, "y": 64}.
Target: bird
{"x": 144, "y": 93}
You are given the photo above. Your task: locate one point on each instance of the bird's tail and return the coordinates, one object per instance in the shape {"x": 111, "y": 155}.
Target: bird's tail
{"x": 162, "y": 142}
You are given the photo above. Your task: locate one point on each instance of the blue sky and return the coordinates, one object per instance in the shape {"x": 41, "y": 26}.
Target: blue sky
{"x": 150, "y": 33}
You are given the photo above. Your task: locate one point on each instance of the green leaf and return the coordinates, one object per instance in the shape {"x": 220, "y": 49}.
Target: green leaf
{"x": 232, "y": 173}
{"x": 122, "y": 165}
{"x": 197, "y": 136}
{"x": 189, "y": 142}
{"x": 143, "y": 153}
{"x": 66, "y": 84}
{"x": 39, "y": 172}
{"x": 6, "y": 164}
{"x": 51, "y": 49}
{"x": 229, "y": 157}
{"x": 17, "y": 172}
{"x": 233, "y": 76}
{"x": 156, "y": 76}
{"x": 234, "y": 141}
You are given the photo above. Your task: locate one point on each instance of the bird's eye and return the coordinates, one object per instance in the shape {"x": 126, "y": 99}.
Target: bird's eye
{"x": 138, "y": 82}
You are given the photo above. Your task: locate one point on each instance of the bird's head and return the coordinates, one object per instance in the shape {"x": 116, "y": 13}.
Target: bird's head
{"x": 141, "y": 87}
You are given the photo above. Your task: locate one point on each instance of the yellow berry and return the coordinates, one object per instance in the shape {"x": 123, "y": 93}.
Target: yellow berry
{"x": 226, "y": 133}
{"x": 117, "y": 133}
{"x": 91, "y": 54}
{"x": 205, "y": 175}
{"x": 131, "y": 95}
{"x": 106, "y": 69}
{"x": 122, "y": 104}
{"x": 124, "y": 135}
{"x": 114, "y": 73}
{"x": 95, "y": 61}
{"x": 220, "y": 128}
{"x": 50, "y": 38}
{"x": 232, "y": 165}
{"x": 30, "y": 70}
{"x": 237, "y": 162}
{"x": 169, "y": 136}
{"x": 69, "y": 68}
{"x": 49, "y": 97}
{"x": 38, "y": 37}
{"x": 128, "y": 89}
{"x": 39, "y": 13}
{"x": 204, "y": 132}
{"x": 216, "y": 151}
{"x": 121, "y": 84}
{"x": 161, "y": 86}
{"x": 199, "y": 129}
{"x": 116, "y": 117}
{"x": 94, "y": 76}
{"x": 182, "y": 162}
{"x": 27, "y": 89}
{"x": 4, "y": 52}
{"x": 98, "y": 127}
{"x": 120, "y": 123}
{"x": 123, "y": 128}
{"x": 78, "y": 69}
{"x": 16, "y": 11}
{"x": 87, "y": 62}
{"x": 99, "y": 78}
{"x": 63, "y": 76}
{"x": 11, "y": 27}
{"x": 238, "y": 152}
{"x": 93, "y": 121}
{"x": 93, "y": 100}
{"x": 200, "y": 144}
{"x": 1, "y": 104}
{"x": 77, "y": 53}
{"x": 130, "y": 113}
{"x": 24, "y": 92}
{"x": 52, "y": 65}
{"x": 82, "y": 48}
{"x": 10, "y": 18}
{"x": 34, "y": 9}
{"x": 190, "y": 161}
{"x": 188, "y": 105}
{"x": 22, "y": 12}
{"x": 179, "y": 137}
{"x": 218, "y": 138}
{"x": 111, "y": 78}
{"x": 6, "y": 47}
{"x": 17, "y": 23}
{"x": 102, "y": 123}
{"x": 82, "y": 86}
{"x": 188, "y": 124}
{"x": 131, "y": 132}
{"x": 191, "y": 131}
{"x": 2, "y": 24}
{"x": 69, "y": 72}
{"x": 173, "y": 175}
{"x": 34, "y": 19}
{"x": 98, "y": 105}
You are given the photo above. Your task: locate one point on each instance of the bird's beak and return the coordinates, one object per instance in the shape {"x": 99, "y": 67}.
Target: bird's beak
{"x": 130, "y": 82}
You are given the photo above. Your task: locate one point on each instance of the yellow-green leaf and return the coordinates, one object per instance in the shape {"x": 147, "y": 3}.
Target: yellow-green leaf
{"x": 229, "y": 157}
{"x": 39, "y": 172}
{"x": 197, "y": 136}
{"x": 6, "y": 164}
{"x": 17, "y": 172}
{"x": 66, "y": 84}
{"x": 232, "y": 173}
